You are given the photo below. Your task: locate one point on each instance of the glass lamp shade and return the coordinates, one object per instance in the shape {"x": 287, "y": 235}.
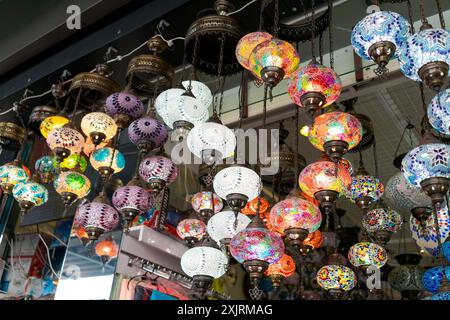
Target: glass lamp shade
{"x": 132, "y": 198}
{"x": 342, "y": 161}
{"x": 336, "y": 277}
{"x": 314, "y": 240}
{"x": 285, "y": 267}
{"x": 364, "y": 254}
{"x": 30, "y": 194}
{"x": 97, "y": 217}
{"x": 332, "y": 126}
{"x": 45, "y": 169}
{"x": 158, "y": 168}
{"x": 426, "y": 161}
{"x": 382, "y": 219}
{"x": 439, "y": 112}
{"x": 201, "y": 201}
{"x": 425, "y": 233}
{"x": 99, "y": 126}
{"x": 109, "y": 158}
{"x": 366, "y": 186}
{"x": 257, "y": 244}
{"x": 81, "y": 233}
{"x": 432, "y": 278}
{"x": 204, "y": 261}
{"x": 191, "y": 228}
{"x": 221, "y": 226}
{"x": 252, "y": 206}
{"x": 274, "y": 53}
{"x": 406, "y": 278}
{"x": 200, "y": 91}
{"x": 321, "y": 175}
{"x": 172, "y": 106}
{"x": 65, "y": 138}
{"x": 315, "y": 78}
{"x": 74, "y": 162}
{"x": 423, "y": 47}
{"x": 124, "y": 107}
{"x": 90, "y": 147}
{"x": 378, "y": 27}
{"x": 50, "y": 123}
{"x": 237, "y": 180}
{"x": 211, "y": 142}
{"x": 72, "y": 182}
{"x": 246, "y": 45}
{"x": 402, "y": 195}
{"x": 295, "y": 213}
{"x": 148, "y": 133}
{"x": 10, "y": 175}
{"x": 441, "y": 296}
{"x": 107, "y": 248}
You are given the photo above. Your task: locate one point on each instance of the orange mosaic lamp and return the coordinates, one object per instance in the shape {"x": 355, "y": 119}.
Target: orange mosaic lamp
{"x": 280, "y": 270}
{"x": 252, "y": 206}
{"x": 314, "y": 240}
{"x": 106, "y": 250}
{"x": 82, "y": 235}
{"x": 246, "y": 45}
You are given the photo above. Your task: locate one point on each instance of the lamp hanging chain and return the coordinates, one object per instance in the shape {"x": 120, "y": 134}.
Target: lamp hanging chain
{"x": 441, "y": 15}
{"x": 330, "y": 32}
{"x": 320, "y": 48}
{"x": 313, "y": 31}
{"x": 422, "y": 97}
{"x": 261, "y": 15}
{"x": 422, "y": 12}
{"x": 275, "y": 19}
{"x": 375, "y": 158}
{"x": 410, "y": 17}
{"x": 219, "y": 90}
{"x": 400, "y": 141}
{"x": 194, "y": 58}
{"x": 297, "y": 126}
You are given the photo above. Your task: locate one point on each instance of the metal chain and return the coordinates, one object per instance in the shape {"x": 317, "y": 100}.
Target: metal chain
{"x": 261, "y": 14}
{"x": 313, "y": 31}
{"x": 297, "y": 134}
{"x": 219, "y": 72}
{"x": 320, "y": 48}
{"x": 275, "y": 20}
{"x": 375, "y": 158}
{"x": 441, "y": 15}
{"x": 410, "y": 17}
{"x": 422, "y": 97}
{"x": 422, "y": 11}
{"x": 194, "y": 55}
{"x": 330, "y": 32}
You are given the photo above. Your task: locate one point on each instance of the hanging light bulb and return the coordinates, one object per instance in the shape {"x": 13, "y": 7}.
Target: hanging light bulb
{"x": 202, "y": 203}
{"x": 107, "y": 250}
{"x": 158, "y": 171}
{"x": 123, "y": 108}
{"x": 365, "y": 254}
{"x": 131, "y": 201}
{"x": 222, "y": 226}
{"x": 107, "y": 161}
{"x": 439, "y": 112}
{"x": 29, "y": 195}
{"x": 379, "y": 36}
{"x": 191, "y": 230}
{"x": 10, "y": 175}
{"x": 147, "y": 134}
{"x": 99, "y": 127}
{"x": 280, "y": 270}
{"x": 64, "y": 141}
{"x": 50, "y": 123}
{"x": 72, "y": 186}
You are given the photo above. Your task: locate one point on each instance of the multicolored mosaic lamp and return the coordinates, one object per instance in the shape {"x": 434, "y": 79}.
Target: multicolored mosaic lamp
{"x": 158, "y": 172}
{"x": 99, "y": 127}
{"x": 107, "y": 161}
{"x": 71, "y": 186}
{"x": 314, "y": 240}
{"x": 365, "y": 254}
{"x": 45, "y": 169}
{"x": 222, "y": 226}
{"x": 147, "y": 134}
{"x": 29, "y": 195}
{"x": 12, "y": 174}
{"x": 439, "y": 112}
{"x": 251, "y": 207}
{"x": 50, "y": 123}
{"x": 246, "y": 44}
{"x": 335, "y": 133}
{"x": 191, "y": 230}
{"x": 131, "y": 201}
{"x": 280, "y": 270}
{"x": 295, "y": 218}
{"x": 124, "y": 108}
{"x": 314, "y": 86}
{"x": 378, "y": 37}
{"x": 202, "y": 203}
{"x": 74, "y": 162}
{"x": 365, "y": 189}
{"x": 64, "y": 141}
{"x": 435, "y": 277}
{"x": 382, "y": 223}
{"x": 336, "y": 279}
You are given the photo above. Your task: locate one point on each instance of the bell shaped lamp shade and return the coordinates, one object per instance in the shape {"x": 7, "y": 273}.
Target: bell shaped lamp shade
{"x": 158, "y": 171}
{"x": 45, "y": 169}
{"x": 379, "y": 36}
{"x": 97, "y": 218}
{"x": 425, "y": 57}
{"x": 30, "y": 194}
{"x": 280, "y": 270}
{"x": 247, "y": 43}
{"x": 123, "y": 108}
{"x": 211, "y": 142}
{"x": 10, "y": 175}
{"x": 335, "y": 133}
{"x": 273, "y": 60}
{"x": 433, "y": 278}
{"x": 439, "y": 112}
{"x": 191, "y": 230}
{"x": 107, "y": 161}
{"x": 147, "y": 134}
{"x": 65, "y": 141}
{"x": 222, "y": 226}
{"x": 71, "y": 186}
{"x": 296, "y": 218}
{"x": 99, "y": 127}
{"x": 200, "y": 91}
{"x": 382, "y": 223}
{"x": 336, "y": 279}
{"x": 365, "y": 254}
{"x": 314, "y": 86}
{"x": 74, "y": 162}
{"x": 50, "y": 123}
{"x": 202, "y": 203}
{"x": 131, "y": 201}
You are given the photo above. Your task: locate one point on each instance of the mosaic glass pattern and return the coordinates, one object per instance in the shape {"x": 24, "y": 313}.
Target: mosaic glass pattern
{"x": 432, "y": 278}
{"x": 221, "y": 226}
{"x": 203, "y": 200}
{"x": 124, "y": 103}
{"x": 97, "y": 215}
{"x": 366, "y": 186}
{"x": 314, "y": 239}
{"x": 342, "y": 161}
{"x": 204, "y": 261}
{"x": 132, "y": 197}
{"x": 200, "y": 91}
{"x": 50, "y": 123}
{"x": 384, "y": 219}
{"x": 439, "y": 112}
{"x": 30, "y": 191}
{"x": 336, "y": 277}
{"x": 67, "y": 138}
{"x": 284, "y": 267}
{"x": 12, "y": 175}
{"x": 158, "y": 167}
{"x": 367, "y": 254}
{"x": 74, "y": 162}
{"x": 191, "y": 228}
{"x": 107, "y": 158}
{"x": 73, "y": 182}
{"x": 237, "y": 179}
{"x": 44, "y": 165}
{"x": 148, "y": 130}
{"x": 402, "y": 195}
{"x": 246, "y": 45}
{"x": 406, "y": 277}
{"x": 99, "y": 122}
{"x": 441, "y": 296}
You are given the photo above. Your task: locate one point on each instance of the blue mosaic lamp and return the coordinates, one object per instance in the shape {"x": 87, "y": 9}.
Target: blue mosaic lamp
{"x": 30, "y": 194}
{"x": 378, "y": 36}
{"x": 439, "y": 112}
{"x": 107, "y": 161}
{"x": 434, "y": 277}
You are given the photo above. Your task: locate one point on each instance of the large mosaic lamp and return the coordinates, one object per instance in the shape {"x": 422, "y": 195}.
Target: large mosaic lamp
{"x": 314, "y": 86}
{"x": 237, "y": 185}
{"x": 199, "y": 90}
{"x": 247, "y": 43}
{"x": 131, "y": 201}
{"x": 295, "y": 218}
{"x": 425, "y": 56}
{"x": 335, "y": 133}
{"x": 382, "y": 223}
{"x": 107, "y": 161}
{"x": 147, "y": 134}
{"x": 407, "y": 278}
{"x": 436, "y": 277}
{"x": 158, "y": 172}
{"x": 50, "y": 123}
{"x": 280, "y": 270}
{"x": 191, "y": 230}
{"x": 365, "y": 254}
{"x": 365, "y": 189}
{"x": 222, "y": 226}
{"x": 124, "y": 108}
{"x": 336, "y": 279}
{"x": 428, "y": 166}
{"x": 64, "y": 141}
{"x": 74, "y": 162}
{"x": 256, "y": 248}
{"x": 439, "y": 112}
{"x": 30, "y": 194}
{"x": 273, "y": 60}
{"x": 99, "y": 127}
{"x": 71, "y": 185}
{"x": 378, "y": 37}
{"x": 10, "y": 175}
{"x": 206, "y": 203}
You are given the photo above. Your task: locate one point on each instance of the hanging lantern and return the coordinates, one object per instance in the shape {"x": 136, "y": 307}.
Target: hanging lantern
{"x": 441, "y": 296}
{"x": 407, "y": 278}
{"x": 82, "y": 235}
{"x": 204, "y": 263}
{"x": 74, "y": 162}
{"x": 296, "y": 218}
{"x": 428, "y": 166}
{"x": 72, "y": 186}
{"x": 99, "y": 127}
{"x": 50, "y": 123}
{"x": 64, "y": 141}
{"x": 314, "y": 86}
{"x": 382, "y": 222}
{"x": 237, "y": 185}
{"x": 246, "y": 45}
{"x": 211, "y": 142}
{"x": 106, "y": 250}
{"x": 191, "y": 230}
{"x": 424, "y": 56}
{"x": 336, "y": 279}
{"x": 44, "y": 169}
{"x": 29, "y": 195}
{"x": 199, "y": 90}
{"x": 123, "y": 108}
{"x": 314, "y": 240}
{"x": 365, "y": 189}
{"x": 10, "y": 175}
{"x": 107, "y": 161}
{"x": 222, "y": 226}
{"x": 131, "y": 201}
{"x": 335, "y": 133}
{"x": 439, "y": 112}
{"x": 365, "y": 254}
{"x": 158, "y": 171}
{"x": 251, "y": 207}
{"x": 280, "y": 270}
{"x": 202, "y": 203}
{"x": 147, "y": 134}
{"x": 273, "y": 60}
{"x": 433, "y": 278}
{"x": 379, "y": 36}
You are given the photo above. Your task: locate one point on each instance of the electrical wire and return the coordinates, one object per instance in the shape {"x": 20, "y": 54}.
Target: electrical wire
{"x": 48, "y": 255}
{"x": 242, "y": 8}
